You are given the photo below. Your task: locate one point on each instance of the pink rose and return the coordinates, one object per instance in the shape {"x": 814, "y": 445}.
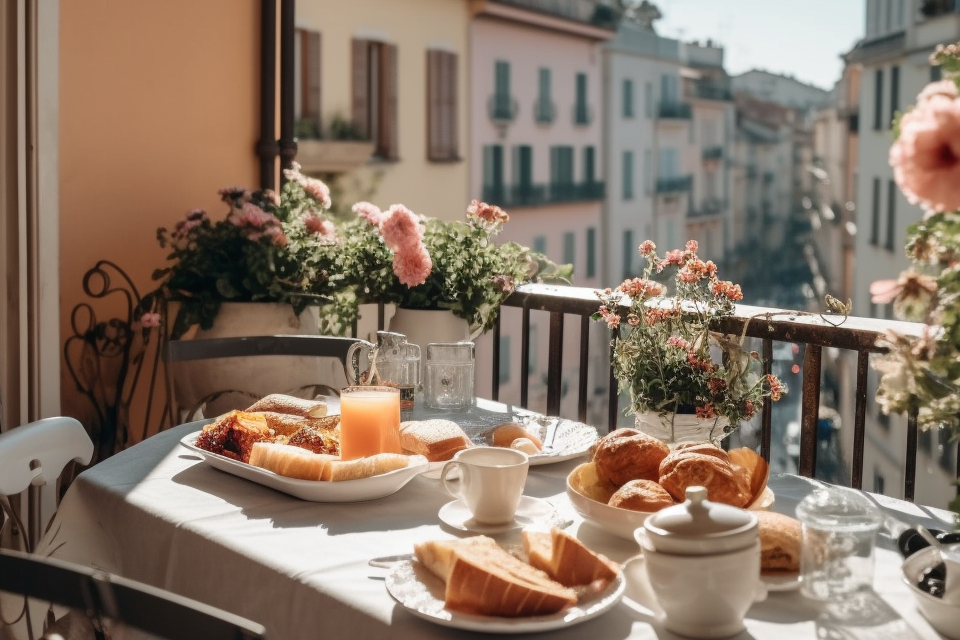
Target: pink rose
{"x": 926, "y": 156}
{"x": 412, "y": 267}
{"x": 370, "y": 212}
{"x": 317, "y": 190}
{"x": 401, "y": 228}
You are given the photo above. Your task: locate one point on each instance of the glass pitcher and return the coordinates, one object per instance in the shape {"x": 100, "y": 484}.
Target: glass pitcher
{"x": 392, "y": 361}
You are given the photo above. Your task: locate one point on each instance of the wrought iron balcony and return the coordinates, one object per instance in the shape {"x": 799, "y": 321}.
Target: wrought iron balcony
{"x": 708, "y": 207}
{"x": 713, "y": 153}
{"x": 674, "y": 110}
{"x": 502, "y": 108}
{"x": 534, "y": 195}
{"x": 674, "y": 184}
{"x": 711, "y": 90}
{"x": 544, "y": 111}
{"x": 582, "y": 115}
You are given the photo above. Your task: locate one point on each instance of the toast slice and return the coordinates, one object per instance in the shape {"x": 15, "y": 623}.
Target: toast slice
{"x": 566, "y": 560}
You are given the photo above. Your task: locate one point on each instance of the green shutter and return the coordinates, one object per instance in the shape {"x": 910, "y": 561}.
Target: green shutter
{"x": 627, "y": 175}
{"x": 591, "y": 270}
{"x": 628, "y": 98}
{"x": 569, "y": 246}
{"x": 540, "y": 244}
{"x": 589, "y": 167}
{"x": 628, "y": 251}
{"x": 581, "y": 116}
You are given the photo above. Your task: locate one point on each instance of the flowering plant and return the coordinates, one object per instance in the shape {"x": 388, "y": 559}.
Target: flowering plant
{"x": 271, "y": 247}
{"x": 664, "y": 353}
{"x": 413, "y": 261}
{"x": 923, "y": 371}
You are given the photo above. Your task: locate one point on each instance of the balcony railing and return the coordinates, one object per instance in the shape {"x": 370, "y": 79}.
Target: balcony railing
{"x": 670, "y": 110}
{"x": 533, "y": 195}
{"x": 502, "y": 108}
{"x": 544, "y": 111}
{"x": 818, "y": 334}
{"x": 712, "y": 91}
{"x": 674, "y": 184}
{"x": 582, "y": 115}
{"x": 713, "y": 153}
{"x": 708, "y": 207}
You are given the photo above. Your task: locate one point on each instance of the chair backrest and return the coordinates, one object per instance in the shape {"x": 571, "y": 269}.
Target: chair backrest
{"x": 313, "y": 346}
{"x": 102, "y": 595}
{"x": 33, "y": 456}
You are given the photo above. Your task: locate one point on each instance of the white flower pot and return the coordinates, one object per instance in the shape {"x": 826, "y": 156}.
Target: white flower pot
{"x": 423, "y": 326}
{"x": 674, "y": 428}
{"x": 252, "y": 377}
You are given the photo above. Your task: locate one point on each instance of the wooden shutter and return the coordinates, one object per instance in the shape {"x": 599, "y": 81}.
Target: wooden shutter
{"x": 387, "y": 125}
{"x": 442, "y": 106}
{"x": 360, "y": 86}
{"x": 310, "y": 75}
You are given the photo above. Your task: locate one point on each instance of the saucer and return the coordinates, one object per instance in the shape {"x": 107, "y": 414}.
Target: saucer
{"x": 530, "y": 511}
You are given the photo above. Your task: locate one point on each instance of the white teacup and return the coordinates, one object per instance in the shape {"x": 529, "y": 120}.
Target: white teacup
{"x": 491, "y": 482}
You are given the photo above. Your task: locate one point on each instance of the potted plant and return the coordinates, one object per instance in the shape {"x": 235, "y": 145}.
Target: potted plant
{"x": 422, "y": 263}
{"x": 685, "y": 380}
{"x": 923, "y": 373}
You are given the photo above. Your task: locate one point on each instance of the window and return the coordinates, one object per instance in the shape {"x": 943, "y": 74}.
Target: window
{"x": 308, "y": 87}
{"x": 894, "y": 92}
{"x": 628, "y": 251}
{"x": 589, "y": 165}
{"x": 878, "y": 100}
{"x": 669, "y": 89}
{"x": 503, "y": 373}
{"x": 669, "y": 163}
{"x": 493, "y": 173}
{"x": 891, "y": 214}
{"x": 580, "y": 111}
{"x": 647, "y": 171}
{"x": 561, "y": 171}
{"x": 523, "y": 165}
{"x": 543, "y": 111}
{"x": 502, "y": 104}
{"x": 936, "y": 73}
{"x": 374, "y": 95}
{"x": 627, "y": 175}
{"x": 648, "y": 99}
{"x": 591, "y": 266}
{"x": 875, "y": 217}
{"x": 540, "y": 244}
{"x": 628, "y": 98}
{"x": 569, "y": 247}
{"x": 878, "y": 482}
{"x": 442, "y": 106}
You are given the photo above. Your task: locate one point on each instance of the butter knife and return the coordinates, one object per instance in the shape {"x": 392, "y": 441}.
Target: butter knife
{"x": 550, "y": 436}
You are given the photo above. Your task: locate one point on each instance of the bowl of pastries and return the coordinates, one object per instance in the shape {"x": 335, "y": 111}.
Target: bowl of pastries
{"x": 631, "y": 475}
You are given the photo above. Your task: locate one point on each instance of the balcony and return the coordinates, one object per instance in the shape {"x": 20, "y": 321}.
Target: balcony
{"x": 544, "y": 111}
{"x": 535, "y": 195}
{"x": 711, "y": 90}
{"x": 582, "y": 115}
{"x": 712, "y": 153}
{"x": 674, "y": 110}
{"x": 675, "y": 184}
{"x": 333, "y": 156}
{"x": 501, "y": 108}
{"x": 708, "y": 207}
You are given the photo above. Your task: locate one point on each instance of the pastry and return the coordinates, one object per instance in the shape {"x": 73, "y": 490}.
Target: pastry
{"x": 627, "y": 454}
{"x": 437, "y": 439}
{"x": 780, "y": 541}
{"x": 754, "y": 468}
{"x": 233, "y": 434}
{"x": 588, "y": 482}
{"x": 291, "y": 405}
{"x": 506, "y": 434}
{"x": 682, "y": 469}
{"x": 641, "y": 495}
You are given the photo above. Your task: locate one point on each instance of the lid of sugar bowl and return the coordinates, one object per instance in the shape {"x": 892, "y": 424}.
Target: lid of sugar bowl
{"x": 700, "y": 527}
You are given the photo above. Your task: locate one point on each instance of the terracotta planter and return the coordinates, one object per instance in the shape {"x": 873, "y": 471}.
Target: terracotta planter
{"x": 674, "y": 428}
{"x": 249, "y": 378}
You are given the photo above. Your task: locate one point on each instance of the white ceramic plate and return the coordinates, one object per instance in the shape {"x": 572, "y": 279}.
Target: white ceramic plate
{"x": 347, "y": 491}
{"x": 788, "y": 582}
{"x": 530, "y": 511}
{"x": 421, "y": 593}
{"x": 572, "y": 440}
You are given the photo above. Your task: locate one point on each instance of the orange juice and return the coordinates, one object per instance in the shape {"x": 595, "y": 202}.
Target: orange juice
{"x": 369, "y": 421}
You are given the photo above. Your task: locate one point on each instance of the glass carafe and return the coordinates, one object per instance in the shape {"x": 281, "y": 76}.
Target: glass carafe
{"x": 395, "y": 362}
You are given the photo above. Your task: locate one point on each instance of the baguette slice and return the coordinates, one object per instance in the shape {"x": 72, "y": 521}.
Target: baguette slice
{"x": 437, "y": 439}
{"x": 566, "y": 560}
{"x": 341, "y": 470}
{"x": 438, "y": 555}
{"x": 289, "y": 461}
{"x": 281, "y": 403}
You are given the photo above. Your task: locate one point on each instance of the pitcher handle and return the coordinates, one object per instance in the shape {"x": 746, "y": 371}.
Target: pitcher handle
{"x": 351, "y": 364}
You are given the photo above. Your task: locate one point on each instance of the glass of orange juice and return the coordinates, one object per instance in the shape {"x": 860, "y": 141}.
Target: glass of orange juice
{"x": 369, "y": 421}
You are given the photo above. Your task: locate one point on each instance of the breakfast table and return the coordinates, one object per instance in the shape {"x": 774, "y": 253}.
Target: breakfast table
{"x": 158, "y": 513}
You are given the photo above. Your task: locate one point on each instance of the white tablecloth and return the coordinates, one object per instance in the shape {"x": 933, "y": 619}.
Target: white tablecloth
{"x": 158, "y": 514}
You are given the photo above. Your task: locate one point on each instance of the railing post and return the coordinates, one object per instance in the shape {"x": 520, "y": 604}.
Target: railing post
{"x": 810, "y": 408}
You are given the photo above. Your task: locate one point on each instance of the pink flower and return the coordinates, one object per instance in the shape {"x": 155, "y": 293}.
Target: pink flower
{"x": 401, "y": 228}
{"x": 946, "y": 88}
{"x": 647, "y": 247}
{"x": 370, "y": 212}
{"x": 926, "y": 156}
{"x": 490, "y": 215}
{"x": 678, "y": 342}
{"x": 319, "y": 226}
{"x": 412, "y": 267}
{"x": 150, "y": 320}
{"x": 317, "y": 190}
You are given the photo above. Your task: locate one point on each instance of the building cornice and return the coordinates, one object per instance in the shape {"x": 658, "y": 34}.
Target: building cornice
{"x": 531, "y": 17}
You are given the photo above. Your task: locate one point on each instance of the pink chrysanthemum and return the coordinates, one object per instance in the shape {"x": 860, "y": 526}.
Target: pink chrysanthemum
{"x": 369, "y": 212}
{"x": 401, "y": 228}
{"x": 412, "y": 267}
{"x": 647, "y": 247}
{"x": 926, "y": 156}
{"x": 317, "y": 190}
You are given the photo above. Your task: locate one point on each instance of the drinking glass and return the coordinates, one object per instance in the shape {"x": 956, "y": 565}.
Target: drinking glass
{"x": 369, "y": 421}
{"x": 449, "y": 375}
{"x": 839, "y": 527}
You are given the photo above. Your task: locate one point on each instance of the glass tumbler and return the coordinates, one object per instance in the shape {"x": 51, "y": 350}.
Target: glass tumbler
{"x": 840, "y": 528}
{"x": 449, "y": 375}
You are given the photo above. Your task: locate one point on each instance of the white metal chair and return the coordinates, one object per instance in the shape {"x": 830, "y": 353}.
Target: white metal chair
{"x": 104, "y": 599}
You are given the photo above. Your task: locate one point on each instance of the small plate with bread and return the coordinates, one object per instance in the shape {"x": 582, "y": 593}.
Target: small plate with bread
{"x": 475, "y": 584}
{"x": 633, "y": 475}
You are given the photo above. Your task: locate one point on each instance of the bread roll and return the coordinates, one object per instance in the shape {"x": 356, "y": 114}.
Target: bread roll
{"x": 706, "y": 448}
{"x": 505, "y": 434}
{"x": 641, "y": 495}
{"x": 682, "y": 469}
{"x": 627, "y": 454}
{"x": 780, "y": 540}
{"x": 341, "y": 470}
{"x": 566, "y": 560}
{"x": 281, "y": 403}
{"x": 436, "y": 440}
{"x": 290, "y": 461}
{"x": 484, "y": 579}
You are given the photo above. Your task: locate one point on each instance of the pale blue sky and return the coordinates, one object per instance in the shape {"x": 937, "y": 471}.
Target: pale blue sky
{"x": 803, "y": 38}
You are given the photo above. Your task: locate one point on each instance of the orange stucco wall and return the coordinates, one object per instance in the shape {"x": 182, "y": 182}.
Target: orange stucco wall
{"x": 158, "y": 109}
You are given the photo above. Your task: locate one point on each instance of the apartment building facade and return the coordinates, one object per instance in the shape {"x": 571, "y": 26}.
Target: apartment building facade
{"x": 535, "y": 150}
{"x": 893, "y": 61}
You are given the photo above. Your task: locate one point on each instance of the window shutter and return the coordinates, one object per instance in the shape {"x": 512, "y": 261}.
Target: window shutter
{"x": 434, "y": 106}
{"x": 387, "y": 126}
{"x": 360, "y": 86}
{"x": 310, "y": 76}
{"x": 442, "y": 106}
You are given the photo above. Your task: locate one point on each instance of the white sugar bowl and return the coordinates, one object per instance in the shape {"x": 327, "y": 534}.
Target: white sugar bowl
{"x": 703, "y": 562}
